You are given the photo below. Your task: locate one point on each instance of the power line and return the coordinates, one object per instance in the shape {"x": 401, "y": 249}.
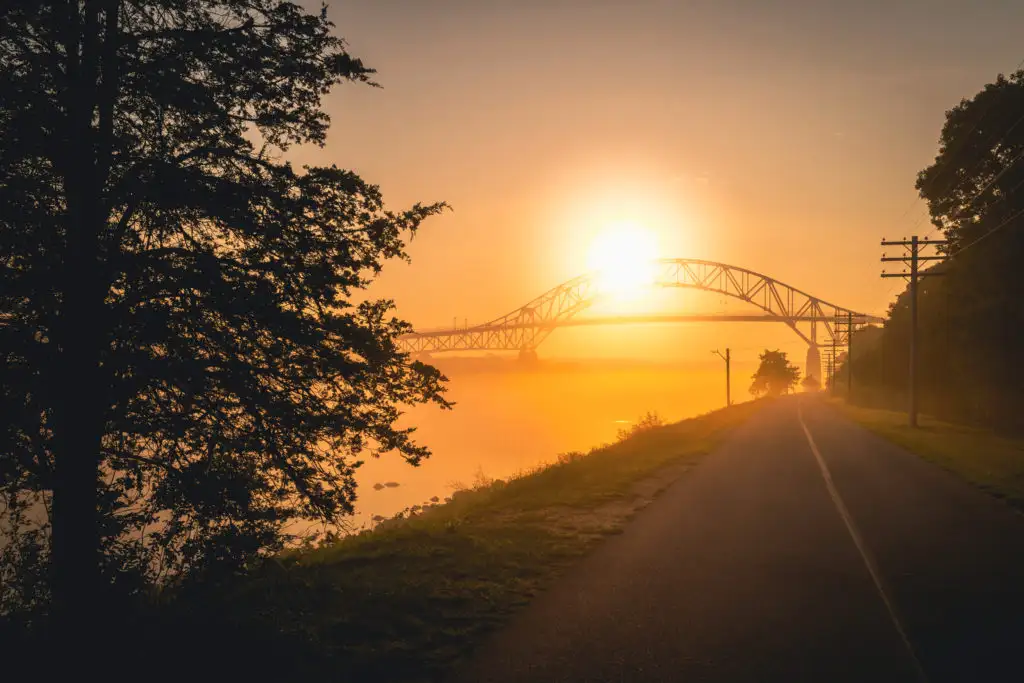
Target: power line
{"x": 965, "y": 138}
{"x": 1002, "y": 225}
{"x": 1003, "y": 198}
{"x": 990, "y": 184}
{"x": 986, "y": 234}
{"x": 913, "y": 259}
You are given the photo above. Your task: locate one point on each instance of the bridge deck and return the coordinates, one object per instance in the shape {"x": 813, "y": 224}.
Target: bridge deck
{"x": 526, "y": 327}
{"x": 585, "y": 321}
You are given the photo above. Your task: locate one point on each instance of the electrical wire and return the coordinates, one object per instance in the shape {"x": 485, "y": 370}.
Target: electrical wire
{"x": 985, "y": 235}
{"x": 1001, "y": 198}
{"x": 982, "y": 191}
{"x": 964, "y": 139}
{"x": 990, "y": 184}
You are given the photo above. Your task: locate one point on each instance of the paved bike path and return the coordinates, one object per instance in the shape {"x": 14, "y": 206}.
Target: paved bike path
{"x": 746, "y": 570}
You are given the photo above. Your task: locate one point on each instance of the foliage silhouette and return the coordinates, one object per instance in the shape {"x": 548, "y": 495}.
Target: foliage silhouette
{"x": 185, "y": 370}
{"x": 970, "y": 319}
{"x": 775, "y": 375}
{"x": 647, "y": 422}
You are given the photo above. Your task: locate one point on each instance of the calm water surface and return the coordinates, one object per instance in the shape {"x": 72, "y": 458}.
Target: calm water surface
{"x": 510, "y": 417}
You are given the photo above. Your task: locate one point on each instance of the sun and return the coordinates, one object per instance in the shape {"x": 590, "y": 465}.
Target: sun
{"x": 623, "y": 258}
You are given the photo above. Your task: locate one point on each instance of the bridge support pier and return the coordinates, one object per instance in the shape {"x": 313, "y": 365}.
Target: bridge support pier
{"x": 812, "y": 368}
{"x": 527, "y": 355}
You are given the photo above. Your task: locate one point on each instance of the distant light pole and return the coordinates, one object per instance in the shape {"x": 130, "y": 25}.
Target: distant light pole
{"x": 728, "y": 384}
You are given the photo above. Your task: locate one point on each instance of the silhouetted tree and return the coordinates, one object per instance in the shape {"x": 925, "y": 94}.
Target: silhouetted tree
{"x": 971, "y": 319}
{"x": 184, "y": 370}
{"x": 775, "y": 375}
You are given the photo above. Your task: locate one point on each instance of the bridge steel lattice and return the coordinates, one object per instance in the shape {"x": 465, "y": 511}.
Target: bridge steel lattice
{"x": 815, "y": 320}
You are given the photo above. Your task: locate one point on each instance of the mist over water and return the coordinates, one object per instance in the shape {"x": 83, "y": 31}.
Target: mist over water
{"x": 511, "y": 417}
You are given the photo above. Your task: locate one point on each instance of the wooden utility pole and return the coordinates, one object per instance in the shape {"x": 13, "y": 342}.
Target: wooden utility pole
{"x": 832, "y": 367}
{"x": 728, "y": 384}
{"x": 912, "y": 259}
{"x": 849, "y": 356}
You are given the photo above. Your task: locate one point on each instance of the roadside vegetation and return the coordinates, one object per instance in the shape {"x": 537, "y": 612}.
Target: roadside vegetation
{"x": 407, "y": 600}
{"x": 991, "y": 462}
{"x": 970, "y": 320}
{"x": 775, "y": 375}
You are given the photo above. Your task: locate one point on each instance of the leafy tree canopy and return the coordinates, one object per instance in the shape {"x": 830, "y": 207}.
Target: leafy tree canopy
{"x": 184, "y": 370}
{"x": 775, "y": 375}
{"x": 971, "y": 319}
{"x": 972, "y": 186}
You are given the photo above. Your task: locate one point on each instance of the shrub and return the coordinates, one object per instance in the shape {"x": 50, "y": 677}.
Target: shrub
{"x": 650, "y": 420}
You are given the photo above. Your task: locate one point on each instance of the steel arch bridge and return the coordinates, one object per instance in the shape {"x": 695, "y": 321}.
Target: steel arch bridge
{"x": 815, "y": 320}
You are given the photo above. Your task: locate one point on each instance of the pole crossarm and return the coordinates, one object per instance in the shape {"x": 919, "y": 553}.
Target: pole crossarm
{"x": 526, "y": 327}
{"x": 912, "y": 260}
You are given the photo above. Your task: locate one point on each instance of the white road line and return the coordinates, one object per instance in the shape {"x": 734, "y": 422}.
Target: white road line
{"x": 861, "y": 548}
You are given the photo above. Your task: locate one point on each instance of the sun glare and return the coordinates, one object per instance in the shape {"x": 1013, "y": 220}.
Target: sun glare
{"x": 623, "y": 257}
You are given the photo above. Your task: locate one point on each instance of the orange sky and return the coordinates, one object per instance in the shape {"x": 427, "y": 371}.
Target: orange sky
{"x": 781, "y": 136}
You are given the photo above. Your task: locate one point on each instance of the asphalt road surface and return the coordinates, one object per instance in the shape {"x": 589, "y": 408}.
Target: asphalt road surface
{"x": 803, "y": 549}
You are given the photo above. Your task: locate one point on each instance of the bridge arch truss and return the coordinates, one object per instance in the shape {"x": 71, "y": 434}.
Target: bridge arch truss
{"x": 814, "y": 320}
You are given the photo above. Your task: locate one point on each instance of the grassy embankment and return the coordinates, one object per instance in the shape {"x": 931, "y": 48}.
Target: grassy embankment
{"x": 993, "y": 463}
{"x": 407, "y": 600}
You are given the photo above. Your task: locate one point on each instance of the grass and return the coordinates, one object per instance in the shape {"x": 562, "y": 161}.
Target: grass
{"x": 990, "y": 462}
{"x": 406, "y": 601}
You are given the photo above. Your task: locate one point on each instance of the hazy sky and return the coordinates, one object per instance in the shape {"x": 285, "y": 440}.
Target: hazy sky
{"x": 779, "y": 136}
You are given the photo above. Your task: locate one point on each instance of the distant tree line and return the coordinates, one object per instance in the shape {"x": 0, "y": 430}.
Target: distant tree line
{"x": 971, "y": 319}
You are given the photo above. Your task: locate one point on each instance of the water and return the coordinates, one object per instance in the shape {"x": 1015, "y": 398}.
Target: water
{"x": 512, "y": 417}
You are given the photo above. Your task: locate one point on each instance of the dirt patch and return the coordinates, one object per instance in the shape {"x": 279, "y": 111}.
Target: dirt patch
{"x": 649, "y": 487}
{"x": 609, "y": 517}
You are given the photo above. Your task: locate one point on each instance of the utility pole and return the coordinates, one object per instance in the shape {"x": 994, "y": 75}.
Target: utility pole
{"x": 832, "y": 367}
{"x": 912, "y": 259}
{"x": 728, "y": 384}
{"x": 849, "y": 356}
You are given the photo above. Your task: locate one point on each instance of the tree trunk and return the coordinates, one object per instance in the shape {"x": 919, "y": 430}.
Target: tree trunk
{"x": 77, "y": 388}
{"x": 75, "y": 384}
{"x": 75, "y": 529}
{"x": 79, "y": 593}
